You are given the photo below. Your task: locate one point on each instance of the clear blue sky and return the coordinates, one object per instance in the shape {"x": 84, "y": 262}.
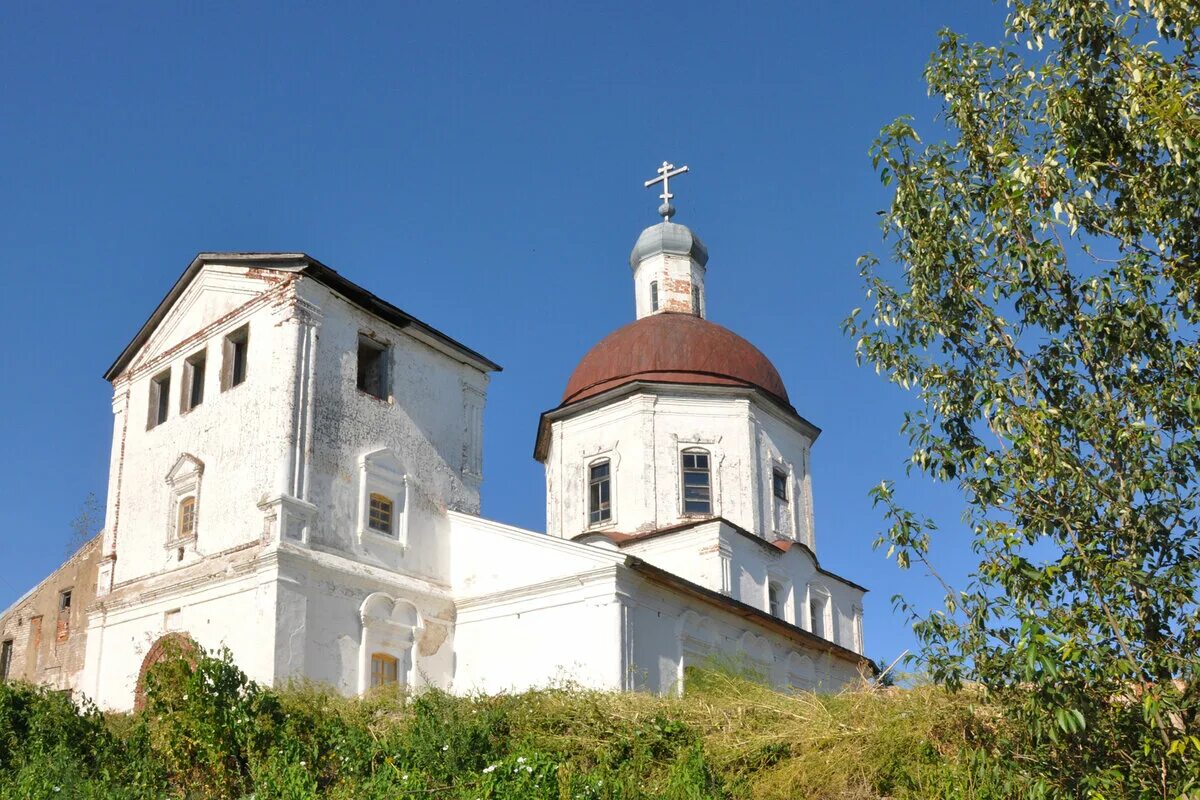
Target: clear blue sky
{"x": 480, "y": 166}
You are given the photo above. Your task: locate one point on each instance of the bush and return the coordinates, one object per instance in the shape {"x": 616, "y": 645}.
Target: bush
{"x": 207, "y": 731}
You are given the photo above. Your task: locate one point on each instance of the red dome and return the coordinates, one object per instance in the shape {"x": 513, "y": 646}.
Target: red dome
{"x": 673, "y": 348}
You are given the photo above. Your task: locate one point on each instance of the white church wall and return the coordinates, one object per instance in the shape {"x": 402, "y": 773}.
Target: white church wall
{"x": 430, "y": 421}
{"x": 643, "y": 435}
{"x": 757, "y": 564}
{"x": 672, "y": 630}
{"x": 320, "y": 628}
{"x": 235, "y": 612}
{"x": 233, "y": 433}
{"x": 550, "y": 634}
{"x": 781, "y": 446}
{"x": 532, "y": 609}
{"x": 694, "y": 553}
{"x": 622, "y": 433}
{"x": 492, "y": 557}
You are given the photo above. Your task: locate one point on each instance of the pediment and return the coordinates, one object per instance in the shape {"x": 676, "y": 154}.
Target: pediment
{"x": 187, "y": 467}
{"x": 213, "y": 296}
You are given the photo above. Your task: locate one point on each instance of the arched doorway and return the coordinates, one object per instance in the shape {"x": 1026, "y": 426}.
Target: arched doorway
{"x": 166, "y": 646}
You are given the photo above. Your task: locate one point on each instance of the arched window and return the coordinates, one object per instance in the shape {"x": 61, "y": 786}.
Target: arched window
{"x": 386, "y": 650}
{"x": 599, "y": 492}
{"x": 697, "y": 482}
{"x": 381, "y": 514}
{"x": 384, "y": 670}
{"x": 654, "y": 295}
{"x": 186, "y": 528}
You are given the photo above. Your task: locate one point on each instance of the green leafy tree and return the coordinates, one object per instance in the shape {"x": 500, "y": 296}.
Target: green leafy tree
{"x": 1041, "y": 304}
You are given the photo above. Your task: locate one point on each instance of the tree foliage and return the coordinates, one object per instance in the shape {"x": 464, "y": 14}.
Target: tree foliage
{"x": 1042, "y": 305}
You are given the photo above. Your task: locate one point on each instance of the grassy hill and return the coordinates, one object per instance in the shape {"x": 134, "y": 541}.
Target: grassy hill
{"x": 208, "y": 732}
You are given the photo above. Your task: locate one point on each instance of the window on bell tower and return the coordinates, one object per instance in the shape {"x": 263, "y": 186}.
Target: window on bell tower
{"x": 697, "y": 482}
{"x": 599, "y": 492}
{"x": 654, "y": 295}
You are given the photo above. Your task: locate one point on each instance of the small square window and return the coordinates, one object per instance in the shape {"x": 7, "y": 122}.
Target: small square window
{"x": 372, "y": 367}
{"x": 380, "y": 515}
{"x": 779, "y": 484}
{"x": 236, "y": 358}
{"x": 193, "y": 382}
{"x": 160, "y": 399}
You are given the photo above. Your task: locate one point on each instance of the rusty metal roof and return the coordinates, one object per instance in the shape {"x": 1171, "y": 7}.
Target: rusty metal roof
{"x": 673, "y": 348}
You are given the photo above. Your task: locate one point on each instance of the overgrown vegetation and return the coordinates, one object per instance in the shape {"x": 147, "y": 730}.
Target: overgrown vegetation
{"x": 208, "y": 732}
{"x": 1043, "y": 307}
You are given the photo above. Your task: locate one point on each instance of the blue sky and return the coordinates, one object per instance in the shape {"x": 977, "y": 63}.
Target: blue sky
{"x": 481, "y": 166}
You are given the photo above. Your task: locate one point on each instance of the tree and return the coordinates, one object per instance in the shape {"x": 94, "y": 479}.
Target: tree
{"x": 1042, "y": 306}
{"x": 86, "y": 525}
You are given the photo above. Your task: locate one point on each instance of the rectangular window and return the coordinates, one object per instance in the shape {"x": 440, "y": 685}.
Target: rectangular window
{"x": 654, "y": 295}
{"x": 779, "y": 484}
{"x": 187, "y": 518}
{"x": 599, "y": 493}
{"x": 160, "y": 399}
{"x": 774, "y": 604}
{"x": 62, "y": 630}
{"x": 372, "y": 367}
{"x": 697, "y": 483}
{"x": 384, "y": 670}
{"x": 193, "y": 382}
{"x": 235, "y": 358}
{"x": 816, "y": 616}
{"x": 379, "y": 516}
{"x": 6, "y": 650}
{"x": 696, "y": 300}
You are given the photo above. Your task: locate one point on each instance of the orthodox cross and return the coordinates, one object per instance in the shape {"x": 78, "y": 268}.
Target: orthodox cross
{"x": 665, "y": 173}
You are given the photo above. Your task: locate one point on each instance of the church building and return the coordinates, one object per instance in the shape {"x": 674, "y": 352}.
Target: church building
{"x": 296, "y": 474}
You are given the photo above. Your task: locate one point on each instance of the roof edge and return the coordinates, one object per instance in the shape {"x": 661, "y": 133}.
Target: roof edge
{"x": 624, "y": 539}
{"x": 310, "y": 267}
{"x": 793, "y": 632}
{"x": 542, "y": 439}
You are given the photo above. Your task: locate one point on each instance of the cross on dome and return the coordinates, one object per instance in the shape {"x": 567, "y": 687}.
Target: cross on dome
{"x": 665, "y": 173}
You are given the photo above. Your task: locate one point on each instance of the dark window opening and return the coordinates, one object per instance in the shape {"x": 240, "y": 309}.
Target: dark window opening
{"x": 193, "y": 381}
{"x": 654, "y": 295}
{"x": 6, "y": 650}
{"x": 816, "y": 616}
{"x": 773, "y": 600}
{"x": 696, "y": 300}
{"x": 160, "y": 398}
{"x": 237, "y": 352}
{"x": 64, "y": 601}
{"x": 697, "y": 483}
{"x": 372, "y": 367}
{"x": 599, "y": 493}
{"x": 779, "y": 482}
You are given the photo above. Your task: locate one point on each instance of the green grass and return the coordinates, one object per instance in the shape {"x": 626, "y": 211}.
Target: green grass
{"x": 207, "y": 732}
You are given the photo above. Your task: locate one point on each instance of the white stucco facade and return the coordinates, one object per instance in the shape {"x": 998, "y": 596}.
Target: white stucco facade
{"x": 296, "y": 476}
